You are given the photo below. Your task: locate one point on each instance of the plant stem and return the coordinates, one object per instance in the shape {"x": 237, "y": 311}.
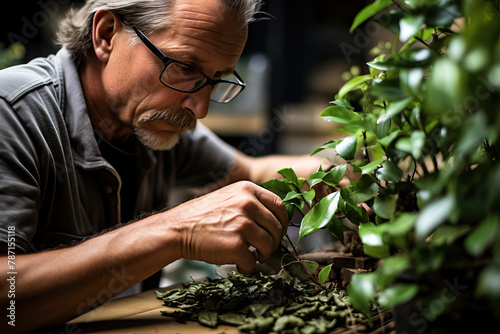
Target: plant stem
{"x": 400, "y": 5}
{"x": 367, "y": 155}
{"x": 400, "y": 126}
{"x": 422, "y": 41}
{"x": 297, "y": 259}
{"x": 424, "y": 167}
{"x": 293, "y": 247}
{"x": 408, "y": 120}
{"x": 414, "y": 170}
{"x": 434, "y": 161}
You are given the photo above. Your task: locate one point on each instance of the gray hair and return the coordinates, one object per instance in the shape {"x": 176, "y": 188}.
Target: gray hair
{"x": 75, "y": 30}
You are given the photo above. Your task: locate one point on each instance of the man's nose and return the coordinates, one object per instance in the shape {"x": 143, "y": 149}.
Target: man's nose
{"x": 197, "y": 103}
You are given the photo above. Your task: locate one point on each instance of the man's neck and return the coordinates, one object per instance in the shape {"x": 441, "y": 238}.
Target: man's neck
{"x": 103, "y": 120}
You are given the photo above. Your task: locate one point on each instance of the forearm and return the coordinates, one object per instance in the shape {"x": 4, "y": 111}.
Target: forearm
{"x": 265, "y": 168}
{"x": 55, "y": 286}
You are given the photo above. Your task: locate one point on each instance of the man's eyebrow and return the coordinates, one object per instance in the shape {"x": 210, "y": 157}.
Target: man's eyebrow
{"x": 196, "y": 60}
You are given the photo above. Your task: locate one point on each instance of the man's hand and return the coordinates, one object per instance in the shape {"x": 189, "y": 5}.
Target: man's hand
{"x": 221, "y": 226}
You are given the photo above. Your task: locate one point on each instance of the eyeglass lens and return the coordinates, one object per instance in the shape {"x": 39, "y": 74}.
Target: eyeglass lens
{"x": 187, "y": 78}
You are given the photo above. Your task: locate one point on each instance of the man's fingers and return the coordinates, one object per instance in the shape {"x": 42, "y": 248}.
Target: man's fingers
{"x": 246, "y": 261}
{"x": 276, "y": 206}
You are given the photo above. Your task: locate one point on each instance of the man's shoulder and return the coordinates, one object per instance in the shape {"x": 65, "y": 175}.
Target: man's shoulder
{"x": 19, "y": 80}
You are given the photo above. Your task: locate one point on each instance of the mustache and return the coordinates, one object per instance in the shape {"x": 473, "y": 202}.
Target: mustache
{"x": 181, "y": 119}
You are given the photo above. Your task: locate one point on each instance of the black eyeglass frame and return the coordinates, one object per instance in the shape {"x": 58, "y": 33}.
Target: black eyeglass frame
{"x": 167, "y": 61}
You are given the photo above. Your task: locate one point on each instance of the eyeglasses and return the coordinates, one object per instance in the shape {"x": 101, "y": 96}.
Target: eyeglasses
{"x": 185, "y": 78}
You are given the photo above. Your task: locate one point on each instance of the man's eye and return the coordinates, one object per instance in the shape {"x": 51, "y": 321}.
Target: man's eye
{"x": 187, "y": 70}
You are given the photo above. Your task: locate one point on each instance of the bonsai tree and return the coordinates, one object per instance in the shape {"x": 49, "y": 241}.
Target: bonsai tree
{"x": 422, "y": 132}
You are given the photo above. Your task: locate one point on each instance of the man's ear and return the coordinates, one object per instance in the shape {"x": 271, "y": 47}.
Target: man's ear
{"x": 105, "y": 26}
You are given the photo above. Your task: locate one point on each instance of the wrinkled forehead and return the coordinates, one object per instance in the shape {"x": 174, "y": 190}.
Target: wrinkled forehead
{"x": 204, "y": 28}
{"x": 210, "y": 16}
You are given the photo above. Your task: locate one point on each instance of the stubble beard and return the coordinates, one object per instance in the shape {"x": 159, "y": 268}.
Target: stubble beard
{"x": 150, "y": 138}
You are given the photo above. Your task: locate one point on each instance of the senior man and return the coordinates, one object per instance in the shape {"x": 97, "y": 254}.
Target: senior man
{"x": 102, "y": 131}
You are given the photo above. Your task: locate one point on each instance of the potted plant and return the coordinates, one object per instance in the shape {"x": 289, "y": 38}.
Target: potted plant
{"x": 422, "y": 132}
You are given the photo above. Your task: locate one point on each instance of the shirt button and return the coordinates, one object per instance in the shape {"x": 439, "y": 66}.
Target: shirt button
{"x": 108, "y": 190}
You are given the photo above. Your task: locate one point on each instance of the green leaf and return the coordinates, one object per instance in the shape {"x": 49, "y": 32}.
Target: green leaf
{"x": 368, "y": 12}
{"x": 354, "y": 213}
{"x": 387, "y": 89}
{"x": 446, "y": 88}
{"x": 306, "y": 196}
{"x": 442, "y": 15}
{"x": 372, "y": 238}
{"x": 289, "y": 174}
{"x": 411, "y": 80}
{"x": 383, "y": 126}
{"x": 291, "y": 195}
{"x": 331, "y": 178}
{"x": 409, "y": 26}
{"x": 371, "y": 167}
{"x": 386, "y": 141}
{"x": 413, "y": 145}
{"x": 483, "y": 236}
{"x": 473, "y": 135}
{"x": 330, "y": 144}
{"x": 365, "y": 189}
{"x": 335, "y": 175}
{"x": 389, "y": 172}
{"x": 353, "y": 84}
{"x": 279, "y": 187}
{"x": 310, "y": 266}
{"x": 339, "y": 114}
{"x": 336, "y": 228}
{"x": 391, "y": 267}
{"x": 446, "y": 235}
{"x": 362, "y": 291}
{"x": 384, "y": 206}
{"x": 397, "y": 294}
{"x": 324, "y": 273}
{"x": 390, "y": 20}
{"x": 315, "y": 178}
{"x": 488, "y": 282}
{"x": 401, "y": 225}
{"x": 347, "y": 147}
{"x": 319, "y": 216}
{"x": 388, "y": 64}
{"x": 393, "y": 109}
{"x": 343, "y": 103}
{"x": 433, "y": 215}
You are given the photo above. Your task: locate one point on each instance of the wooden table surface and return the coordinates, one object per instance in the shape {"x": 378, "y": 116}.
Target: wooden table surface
{"x": 139, "y": 313}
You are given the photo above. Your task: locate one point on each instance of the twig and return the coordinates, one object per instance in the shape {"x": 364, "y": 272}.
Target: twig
{"x": 434, "y": 161}
{"x": 400, "y": 5}
{"x": 293, "y": 247}
{"x": 367, "y": 155}
{"x": 414, "y": 170}
{"x": 424, "y": 166}
{"x": 422, "y": 41}
{"x": 400, "y": 126}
